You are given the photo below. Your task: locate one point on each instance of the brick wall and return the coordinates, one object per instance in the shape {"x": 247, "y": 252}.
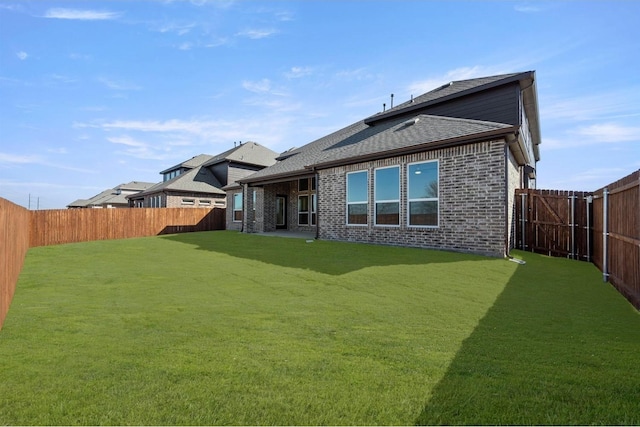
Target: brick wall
{"x": 472, "y": 216}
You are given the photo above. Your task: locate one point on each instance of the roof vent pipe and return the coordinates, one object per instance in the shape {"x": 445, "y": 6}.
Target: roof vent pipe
{"x": 384, "y": 107}
{"x": 412, "y": 98}
{"x": 391, "y": 101}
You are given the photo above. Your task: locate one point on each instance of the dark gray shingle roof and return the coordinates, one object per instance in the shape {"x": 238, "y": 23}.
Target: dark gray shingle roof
{"x": 196, "y": 180}
{"x": 250, "y": 153}
{"x": 359, "y": 140}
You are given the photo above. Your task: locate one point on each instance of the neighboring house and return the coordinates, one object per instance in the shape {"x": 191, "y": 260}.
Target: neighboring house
{"x": 200, "y": 181}
{"x": 113, "y": 197}
{"x": 438, "y": 171}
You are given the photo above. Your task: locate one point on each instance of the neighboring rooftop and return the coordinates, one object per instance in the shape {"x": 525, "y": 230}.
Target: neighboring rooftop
{"x": 112, "y": 196}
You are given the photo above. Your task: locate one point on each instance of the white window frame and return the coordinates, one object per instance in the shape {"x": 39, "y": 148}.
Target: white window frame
{"x": 376, "y": 201}
{"x": 359, "y": 202}
{"x": 427, "y": 199}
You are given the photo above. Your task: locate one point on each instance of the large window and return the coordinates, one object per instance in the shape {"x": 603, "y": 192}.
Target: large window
{"x": 422, "y": 194}
{"x": 387, "y": 196}
{"x": 237, "y": 207}
{"x": 357, "y": 198}
{"x": 303, "y": 210}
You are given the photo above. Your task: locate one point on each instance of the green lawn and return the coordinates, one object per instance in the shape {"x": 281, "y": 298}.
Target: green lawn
{"x": 228, "y": 328}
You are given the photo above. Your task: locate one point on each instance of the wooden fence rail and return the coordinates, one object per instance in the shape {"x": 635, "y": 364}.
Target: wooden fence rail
{"x": 21, "y": 229}
{"x": 602, "y": 227}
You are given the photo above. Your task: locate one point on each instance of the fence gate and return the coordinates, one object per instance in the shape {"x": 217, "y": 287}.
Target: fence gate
{"x": 555, "y": 223}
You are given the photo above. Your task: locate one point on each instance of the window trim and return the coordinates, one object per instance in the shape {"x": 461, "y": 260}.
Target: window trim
{"x": 360, "y": 202}
{"x": 376, "y": 201}
{"x": 427, "y": 199}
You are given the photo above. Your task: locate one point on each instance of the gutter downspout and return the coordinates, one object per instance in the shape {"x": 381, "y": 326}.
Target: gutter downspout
{"x": 506, "y": 203}
{"x": 317, "y": 203}
{"x": 605, "y": 234}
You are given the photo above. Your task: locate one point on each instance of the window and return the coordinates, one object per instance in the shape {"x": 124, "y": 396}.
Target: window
{"x": 303, "y": 184}
{"x": 307, "y": 202}
{"x": 171, "y": 175}
{"x": 303, "y": 210}
{"x": 205, "y": 202}
{"x": 357, "y": 200}
{"x": 237, "y": 207}
{"x": 422, "y": 194}
{"x": 387, "y": 196}
{"x": 188, "y": 201}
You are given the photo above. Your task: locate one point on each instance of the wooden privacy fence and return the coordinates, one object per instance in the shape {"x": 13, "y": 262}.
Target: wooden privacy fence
{"x": 602, "y": 227}
{"x": 21, "y": 229}
{"x": 14, "y": 243}
{"x": 52, "y": 227}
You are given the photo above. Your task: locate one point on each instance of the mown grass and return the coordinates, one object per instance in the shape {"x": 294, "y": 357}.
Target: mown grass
{"x": 227, "y": 328}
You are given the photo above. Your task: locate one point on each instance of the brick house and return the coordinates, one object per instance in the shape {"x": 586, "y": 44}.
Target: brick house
{"x": 200, "y": 181}
{"x": 438, "y": 171}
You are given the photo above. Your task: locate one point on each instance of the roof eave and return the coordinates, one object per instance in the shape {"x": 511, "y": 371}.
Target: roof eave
{"x": 276, "y": 178}
{"x": 427, "y": 146}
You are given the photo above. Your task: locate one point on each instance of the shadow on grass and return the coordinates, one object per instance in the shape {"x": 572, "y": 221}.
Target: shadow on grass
{"x": 334, "y": 258}
{"x": 557, "y": 347}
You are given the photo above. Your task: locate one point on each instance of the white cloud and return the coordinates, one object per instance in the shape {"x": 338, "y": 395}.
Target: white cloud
{"x": 258, "y": 33}
{"x": 185, "y": 46}
{"x": 18, "y": 159}
{"x": 118, "y": 85}
{"x": 262, "y": 86}
{"x": 527, "y": 8}
{"x": 356, "y": 74}
{"x": 614, "y": 104}
{"x": 285, "y": 16}
{"x": 22, "y": 55}
{"x": 179, "y": 29}
{"x": 297, "y": 72}
{"x": 600, "y": 133}
{"x": 139, "y": 149}
{"x": 609, "y": 132}
{"x": 13, "y": 159}
{"x": 83, "y": 15}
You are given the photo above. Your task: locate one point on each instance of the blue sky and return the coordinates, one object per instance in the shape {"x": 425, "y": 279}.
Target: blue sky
{"x": 95, "y": 94}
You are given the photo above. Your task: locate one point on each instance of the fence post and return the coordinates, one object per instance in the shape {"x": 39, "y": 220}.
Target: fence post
{"x": 573, "y": 225}
{"x": 523, "y": 220}
{"x": 588, "y": 226}
{"x": 605, "y": 233}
